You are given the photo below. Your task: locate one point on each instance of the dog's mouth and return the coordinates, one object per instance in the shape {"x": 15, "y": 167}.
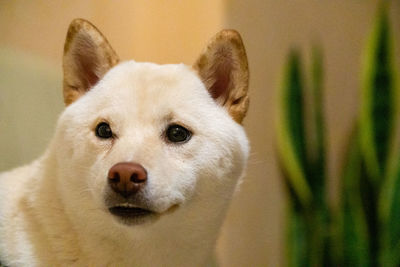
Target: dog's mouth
{"x": 131, "y": 214}
{"x": 130, "y": 211}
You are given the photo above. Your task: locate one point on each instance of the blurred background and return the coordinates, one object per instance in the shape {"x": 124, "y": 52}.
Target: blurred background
{"x": 32, "y": 36}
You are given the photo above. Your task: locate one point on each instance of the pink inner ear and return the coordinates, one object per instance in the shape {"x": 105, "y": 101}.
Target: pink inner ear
{"x": 86, "y": 62}
{"x": 221, "y": 74}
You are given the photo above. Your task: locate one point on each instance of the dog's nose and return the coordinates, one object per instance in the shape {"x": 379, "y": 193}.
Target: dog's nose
{"x": 127, "y": 178}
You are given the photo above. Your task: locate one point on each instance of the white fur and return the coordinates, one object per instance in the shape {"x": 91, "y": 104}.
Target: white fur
{"x": 52, "y": 212}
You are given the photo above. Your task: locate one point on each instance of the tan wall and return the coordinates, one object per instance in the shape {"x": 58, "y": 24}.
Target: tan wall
{"x": 157, "y": 31}
{"x": 175, "y": 31}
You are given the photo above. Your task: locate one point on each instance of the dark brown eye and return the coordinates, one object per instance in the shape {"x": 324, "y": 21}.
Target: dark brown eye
{"x": 103, "y": 130}
{"x": 178, "y": 134}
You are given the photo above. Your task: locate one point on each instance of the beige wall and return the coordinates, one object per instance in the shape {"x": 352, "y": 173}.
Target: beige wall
{"x": 157, "y": 31}
{"x": 175, "y": 31}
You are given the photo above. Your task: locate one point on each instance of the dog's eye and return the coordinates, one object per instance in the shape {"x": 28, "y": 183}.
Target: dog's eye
{"x": 103, "y": 130}
{"x": 178, "y": 134}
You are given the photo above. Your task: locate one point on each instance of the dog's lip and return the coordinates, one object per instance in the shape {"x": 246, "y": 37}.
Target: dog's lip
{"x": 129, "y": 210}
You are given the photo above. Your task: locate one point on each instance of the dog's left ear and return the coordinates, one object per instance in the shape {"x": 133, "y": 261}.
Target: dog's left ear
{"x": 87, "y": 57}
{"x": 224, "y": 70}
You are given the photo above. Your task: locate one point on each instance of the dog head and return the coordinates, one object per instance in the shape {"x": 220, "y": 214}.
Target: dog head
{"x": 141, "y": 141}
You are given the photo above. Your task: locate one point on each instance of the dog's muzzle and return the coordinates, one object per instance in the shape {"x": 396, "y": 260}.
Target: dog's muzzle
{"x": 126, "y": 195}
{"x": 127, "y": 181}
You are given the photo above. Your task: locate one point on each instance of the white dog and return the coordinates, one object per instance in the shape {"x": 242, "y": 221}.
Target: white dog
{"x": 143, "y": 164}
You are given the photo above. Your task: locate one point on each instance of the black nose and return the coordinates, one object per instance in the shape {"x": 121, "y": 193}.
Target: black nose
{"x": 127, "y": 178}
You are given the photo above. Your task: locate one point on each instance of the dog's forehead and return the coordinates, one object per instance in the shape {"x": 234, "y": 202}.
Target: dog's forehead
{"x": 149, "y": 78}
{"x": 147, "y": 88}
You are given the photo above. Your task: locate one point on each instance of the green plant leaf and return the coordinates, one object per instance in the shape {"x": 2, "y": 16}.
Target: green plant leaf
{"x": 354, "y": 229}
{"x": 390, "y": 217}
{"x": 378, "y": 96}
{"x": 316, "y": 138}
{"x": 291, "y": 143}
{"x": 297, "y": 243}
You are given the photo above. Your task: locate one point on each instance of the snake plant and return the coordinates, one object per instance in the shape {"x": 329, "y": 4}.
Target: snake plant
{"x": 365, "y": 229}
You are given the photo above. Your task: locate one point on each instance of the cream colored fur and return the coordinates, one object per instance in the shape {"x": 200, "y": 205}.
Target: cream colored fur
{"x": 52, "y": 212}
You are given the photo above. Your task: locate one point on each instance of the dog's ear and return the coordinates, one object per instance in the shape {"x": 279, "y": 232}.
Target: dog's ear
{"x": 224, "y": 70}
{"x": 87, "y": 57}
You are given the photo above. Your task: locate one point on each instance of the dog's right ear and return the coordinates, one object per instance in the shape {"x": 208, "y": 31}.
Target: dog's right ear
{"x": 87, "y": 57}
{"x": 223, "y": 68}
